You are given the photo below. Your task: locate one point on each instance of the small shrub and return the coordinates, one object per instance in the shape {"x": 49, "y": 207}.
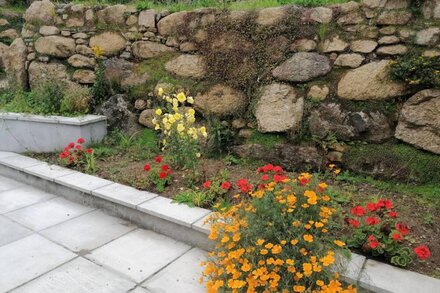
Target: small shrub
{"x": 75, "y": 100}
{"x": 276, "y": 241}
{"x": 48, "y": 96}
{"x": 76, "y": 156}
{"x": 101, "y": 88}
{"x": 417, "y": 71}
{"x": 160, "y": 174}
{"x": 179, "y": 136}
{"x": 194, "y": 198}
{"x": 378, "y": 231}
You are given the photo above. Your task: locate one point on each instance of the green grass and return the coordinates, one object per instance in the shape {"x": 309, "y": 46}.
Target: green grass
{"x": 266, "y": 139}
{"x": 175, "y": 6}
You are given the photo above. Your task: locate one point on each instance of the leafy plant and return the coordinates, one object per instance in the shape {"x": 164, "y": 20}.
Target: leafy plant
{"x": 276, "y": 239}
{"x": 101, "y": 88}
{"x": 179, "y": 137}
{"x": 377, "y": 230}
{"x": 76, "y": 156}
{"x": 417, "y": 71}
{"x": 220, "y": 136}
{"x": 193, "y": 198}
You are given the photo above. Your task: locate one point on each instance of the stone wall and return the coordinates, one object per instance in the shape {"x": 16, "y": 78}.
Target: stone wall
{"x": 321, "y": 71}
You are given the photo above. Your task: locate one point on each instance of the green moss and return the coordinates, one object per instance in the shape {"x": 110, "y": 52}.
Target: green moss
{"x": 388, "y": 107}
{"x": 266, "y": 139}
{"x": 400, "y": 162}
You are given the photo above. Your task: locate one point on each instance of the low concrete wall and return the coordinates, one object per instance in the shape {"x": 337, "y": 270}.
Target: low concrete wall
{"x": 34, "y": 133}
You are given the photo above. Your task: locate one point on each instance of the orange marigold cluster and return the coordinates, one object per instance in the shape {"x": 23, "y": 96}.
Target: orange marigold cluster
{"x": 277, "y": 241}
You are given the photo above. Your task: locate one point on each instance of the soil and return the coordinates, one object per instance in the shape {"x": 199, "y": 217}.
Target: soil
{"x": 422, "y": 215}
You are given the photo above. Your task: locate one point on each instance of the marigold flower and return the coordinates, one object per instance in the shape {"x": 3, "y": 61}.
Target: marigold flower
{"x": 277, "y": 249}
{"x": 260, "y": 242}
{"x": 339, "y": 243}
{"x": 264, "y": 251}
{"x": 422, "y": 252}
{"x": 299, "y": 289}
{"x": 308, "y": 238}
{"x": 294, "y": 241}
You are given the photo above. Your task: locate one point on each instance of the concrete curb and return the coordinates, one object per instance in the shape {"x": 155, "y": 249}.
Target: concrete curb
{"x": 184, "y": 223}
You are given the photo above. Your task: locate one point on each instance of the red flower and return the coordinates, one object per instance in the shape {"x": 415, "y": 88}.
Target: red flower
{"x": 244, "y": 186}
{"x": 78, "y": 146}
{"x": 158, "y": 159}
{"x": 422, "y": 251}
{"x": 392, "y": 214}
{"x": 402, "y": 228}
{"x": 225, "y": 185}
{"x": 279, "y": 178}
{"x": 261, "y": 186}
{"x": 207, "y": 184}
{"x": 267, "y": 168}
{"x": 162, "y": 175}
{"x": 371, "y": 206}
{"x": 372, "y": 220}
{"x": 354, "y": 223}
{"x": 80, "y": 140}
{"x": 64, "y": 155}
{"x": 71, "y": 145}
{"x": 388, "y": 204}
{"x": 278, "y": 169}
{"x": 397, "y": 237}
{"x": 304, "y": 181}
{"x": 265, "y": 177}
{"x": 358, "y": 211}
{"x": 373, "y": 242}
{"x": 89, "y": 151}
{"x": 165, "y": 168}
{"x": 147, "y": 167}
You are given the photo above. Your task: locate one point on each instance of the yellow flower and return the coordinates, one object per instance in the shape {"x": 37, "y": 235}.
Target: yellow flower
{"x": 190, "y": 100}
{"x": 160, "y": 92}
{"x": 264, "y": 251}
{"x": 299, "y": 289}
{"x": 339, "y": 243}
{"x": 236, "y": 237}
{"x": 268, "y": 245}
{"x": 320, "y": 283}
{"x": 260, "y": 242}
{"x": 158, "y": 112}
{"x": 308, "y": 238}
{"x": 246, "y": 267}
{"x": 277, "y": 249}
{"x": 225, "y": 239}
{"x": 191, "y": 112}
{"x": 181, "y": 97}
{"x": 97, "y": 51}
{"x": 180, "y": 127}
{"x": 294, "y": 241}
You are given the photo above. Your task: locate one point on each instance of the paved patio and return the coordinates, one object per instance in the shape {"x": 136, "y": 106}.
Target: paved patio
{"x": 49, "y": 244}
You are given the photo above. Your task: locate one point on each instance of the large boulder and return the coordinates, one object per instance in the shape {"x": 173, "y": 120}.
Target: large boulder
{"x": 40, "y": 12}
{"x": 300, "y": 158}
{"x": 170, "y": 25}
{"x": 220, "y": 100}
{"x": 146, "y": 118}
{"x": 332, "y": 119}
{"x": 370, "y": 82}
{"x": 111, "y": 43}
{"x": 40, "y": 72}
{"x": 419, "y": 121}
{"x": 81, "y": 61}
{"x": 123, "y": 73}
{"x": 271, "y": 16}
{"x": 147, "y": 18}
{"x": 186, "y": 65}
{"x": 147, "y": 49}
{"x": 302, "y": 67}
{"x": 14, "y": 61}
{"x": 56, "y": 46}
{"x": 119, "y": 115}
{"x": 84, "y": 76}
{"x": 112, "y": 15}
{"x": 279, "y": 109}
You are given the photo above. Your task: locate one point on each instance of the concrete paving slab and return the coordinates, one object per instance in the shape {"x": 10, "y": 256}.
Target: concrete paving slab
{"x": 28, "y": 258}
{"x": 78, "y": 276}
{"x": 139, "y": 254}
{"x": 180, "y": 276}
{"x": 10, "y": 231}
{"x": 350, "y": 269}
{"x": 84, "y": 182}
{"x": 20, "y": 162}
{"x": 7, "y": 154}
{"x": 88, "y": 232}
{"x": 124, "y": 195}
{"x": 14, "y": 199}
{"x": 7, "y": 184}
{"x": 178, "y": 213}
{"x": 384, "y": 278}
{"x": 203, "y": 226}
{"x": 140, "y": 290}
{"x": 48, "y": 172}
{"x": 49, "y": 213}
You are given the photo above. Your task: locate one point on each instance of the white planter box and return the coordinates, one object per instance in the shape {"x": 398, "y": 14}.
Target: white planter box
{"x": 35, "y": 133}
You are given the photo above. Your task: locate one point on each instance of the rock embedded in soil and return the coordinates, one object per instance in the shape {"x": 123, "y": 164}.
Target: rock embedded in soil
{"x": 148, "y": 49}
{"x": 118, "y": 113}
{"x": 56, "y": 46}
{"x": 363, "y": 46}
{"x": 419, "y": 121}
{"x": 279, "y": 109}
{"x": 14, "y": 62}
{"x": 40, "y": 12}
{"x": 220, "y": 100}
{"x": 40, "y": 72}
{"x": 186, "y": 65}
{"x": 349, "y": 60}
{"x": 302, "y": 67}
{"x": 110, "y": 42}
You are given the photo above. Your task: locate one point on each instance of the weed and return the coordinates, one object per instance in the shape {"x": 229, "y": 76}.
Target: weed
{"x": 194, "y": 198}
{"x": 266, "y": 139}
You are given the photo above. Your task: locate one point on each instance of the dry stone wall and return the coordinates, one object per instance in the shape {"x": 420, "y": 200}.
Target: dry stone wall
{"x": 260, "y": 69}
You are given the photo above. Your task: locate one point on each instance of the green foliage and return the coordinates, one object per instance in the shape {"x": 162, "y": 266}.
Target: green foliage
{"x": 194, "y": 198}
{"x": 418, "y": 71}
{"x": 48, "y": 98}
{"x": 101, "y": 88}
{"x": 399, "y": 162}
{"x": 220, "y": 136}
{"x": 325, "y": 142}
{"x": 266, "y": 139}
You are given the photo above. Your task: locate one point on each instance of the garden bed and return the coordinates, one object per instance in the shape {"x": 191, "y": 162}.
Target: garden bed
{"x": 122, "y": 158}
{"x": 36, "y": 133}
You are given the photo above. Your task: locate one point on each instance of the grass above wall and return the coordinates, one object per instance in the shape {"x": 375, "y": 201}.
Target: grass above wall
{"x": 175, "y": 6}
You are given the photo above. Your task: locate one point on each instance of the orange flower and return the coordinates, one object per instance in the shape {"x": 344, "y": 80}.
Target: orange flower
{"x": 308, "y": 238}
